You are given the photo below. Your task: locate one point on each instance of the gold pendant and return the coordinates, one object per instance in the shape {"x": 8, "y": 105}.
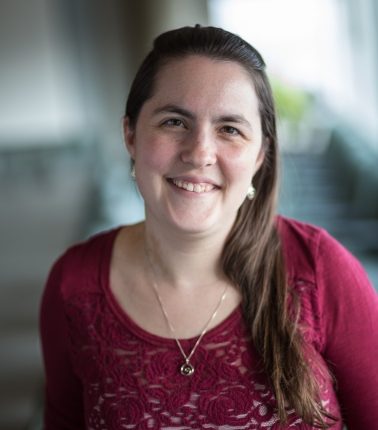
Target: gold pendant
{"x": 186, "y": 369}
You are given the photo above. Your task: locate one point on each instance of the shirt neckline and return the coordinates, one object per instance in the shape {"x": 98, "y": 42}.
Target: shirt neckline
{"x": 129, "y": 323}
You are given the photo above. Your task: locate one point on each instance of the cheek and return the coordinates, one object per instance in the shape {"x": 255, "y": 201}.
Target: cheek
{"x": 154, "y": 154}
{"x": 240, "y": 163}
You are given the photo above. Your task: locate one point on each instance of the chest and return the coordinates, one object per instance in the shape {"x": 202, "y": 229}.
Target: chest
{"x": 188, "y": 311}
{"x": 131, "y": 377}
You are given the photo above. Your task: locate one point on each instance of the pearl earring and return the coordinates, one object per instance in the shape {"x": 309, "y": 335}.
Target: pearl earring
{"x": 132, "y": 173}
{"x": 251, "y": 192}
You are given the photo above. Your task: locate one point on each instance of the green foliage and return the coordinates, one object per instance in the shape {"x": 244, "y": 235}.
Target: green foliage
{"x": 292, "y": 103}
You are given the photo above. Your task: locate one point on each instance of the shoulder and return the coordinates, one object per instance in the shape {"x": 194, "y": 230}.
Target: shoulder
{"x": 311, "y": 252}
{"x": 300, "y": 245}
{"x": 331, "y": 283}
{"x": 84, "y": 265}
{"x": 312, "y": 256}
{"x": 87, "y": 252}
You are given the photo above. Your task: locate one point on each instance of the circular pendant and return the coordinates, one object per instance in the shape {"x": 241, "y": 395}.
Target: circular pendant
{"x": 186, "y": 369}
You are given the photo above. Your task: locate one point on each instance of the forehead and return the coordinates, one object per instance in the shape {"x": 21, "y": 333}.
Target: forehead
{"x": 201, "y": 81}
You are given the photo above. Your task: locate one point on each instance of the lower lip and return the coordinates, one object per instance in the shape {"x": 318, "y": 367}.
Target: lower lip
{"x": 186, "y": 193}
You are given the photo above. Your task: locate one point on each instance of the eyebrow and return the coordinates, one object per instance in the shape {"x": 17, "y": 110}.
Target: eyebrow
{"x": 174, "y": 109}
{"x": 238, "y": 119}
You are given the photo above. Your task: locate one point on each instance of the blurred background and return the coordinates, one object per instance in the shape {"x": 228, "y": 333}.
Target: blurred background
{"x": 65, "y": 70}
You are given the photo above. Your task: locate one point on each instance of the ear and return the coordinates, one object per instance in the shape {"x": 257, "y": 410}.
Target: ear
{"x": 129, "y": 136}
{"x": 261, "y": 156}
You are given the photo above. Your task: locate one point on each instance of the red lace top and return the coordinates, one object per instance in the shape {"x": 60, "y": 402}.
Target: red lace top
{"x": 103, "y": 372}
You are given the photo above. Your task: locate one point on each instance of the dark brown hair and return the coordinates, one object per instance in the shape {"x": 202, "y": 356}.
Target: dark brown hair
{"x": 252, "y": 257}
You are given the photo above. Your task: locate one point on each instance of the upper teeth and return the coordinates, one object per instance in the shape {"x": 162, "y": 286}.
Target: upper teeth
{"x": 190, "y": 186}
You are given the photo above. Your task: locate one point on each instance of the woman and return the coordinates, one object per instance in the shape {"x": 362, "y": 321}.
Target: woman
{"x": 213, "y": 313}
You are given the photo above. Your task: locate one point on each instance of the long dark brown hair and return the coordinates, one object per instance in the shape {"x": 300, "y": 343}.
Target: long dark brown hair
{"x": 252, "y": 257}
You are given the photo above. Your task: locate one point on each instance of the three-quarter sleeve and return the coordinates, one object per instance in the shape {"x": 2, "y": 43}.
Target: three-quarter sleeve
{"x": 63, "y": 390}
{"x": 349, "y": 306}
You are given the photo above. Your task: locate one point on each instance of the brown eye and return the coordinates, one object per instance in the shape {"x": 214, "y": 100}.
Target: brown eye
{"x": 174, "y": 122}
{"x": 230, "y": 130}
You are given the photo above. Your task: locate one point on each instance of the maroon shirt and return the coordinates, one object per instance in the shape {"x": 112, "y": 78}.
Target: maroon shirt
{"x": 104, "y": 372}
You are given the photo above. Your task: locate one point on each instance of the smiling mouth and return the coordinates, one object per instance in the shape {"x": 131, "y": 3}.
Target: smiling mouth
{"x": 190, "y": 186}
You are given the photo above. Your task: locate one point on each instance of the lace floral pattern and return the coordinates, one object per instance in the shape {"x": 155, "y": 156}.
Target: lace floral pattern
{"x": 132, "y": 381}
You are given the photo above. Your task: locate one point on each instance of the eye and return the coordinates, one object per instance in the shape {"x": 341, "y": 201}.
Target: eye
{"x": 174, "y": 122}
{"x": 229, "y": 130}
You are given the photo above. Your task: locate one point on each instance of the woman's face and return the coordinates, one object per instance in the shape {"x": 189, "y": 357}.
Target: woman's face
{"x": 197, "y": 145}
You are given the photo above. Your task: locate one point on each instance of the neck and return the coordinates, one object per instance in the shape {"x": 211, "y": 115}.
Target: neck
{"x": 184, "y": 261}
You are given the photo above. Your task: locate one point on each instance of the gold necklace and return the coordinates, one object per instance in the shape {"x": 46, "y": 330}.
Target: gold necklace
{"x": 187, "y": 368}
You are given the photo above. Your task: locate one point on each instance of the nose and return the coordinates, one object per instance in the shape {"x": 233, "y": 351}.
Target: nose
{"x": 199, "y": 149}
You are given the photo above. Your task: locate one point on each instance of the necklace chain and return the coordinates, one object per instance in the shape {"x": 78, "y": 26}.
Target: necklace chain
{"x": 187, "y": 368}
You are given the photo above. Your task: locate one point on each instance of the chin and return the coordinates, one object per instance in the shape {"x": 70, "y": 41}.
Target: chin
{"x": 198, "y": 225}
{"x": 190, "y": 227}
